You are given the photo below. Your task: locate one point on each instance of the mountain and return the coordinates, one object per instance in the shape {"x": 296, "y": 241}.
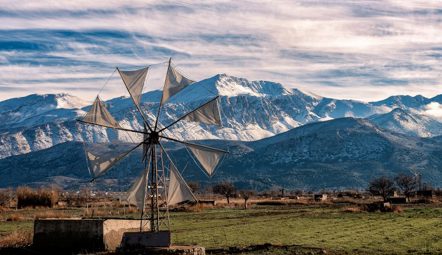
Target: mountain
{"x": 275, "y": 110}
{"x": 341, "y": 153}
{"x": 251, "y": 110}
{"x": 408, "y": 122}
{"x": 35, "y": 110}
{"x": 403, "y": 102}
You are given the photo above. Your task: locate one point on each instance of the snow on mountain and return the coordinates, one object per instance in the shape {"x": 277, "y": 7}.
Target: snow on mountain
{"x": 340, "y": 153}
{"x": 335, "y": 108}
{"x": 250, "y": 110}
{"x": 408, "y": 122}
{"x": 39, "y": 109}
{"x": 403, "y": 102}
{"x": 229, "y": 86}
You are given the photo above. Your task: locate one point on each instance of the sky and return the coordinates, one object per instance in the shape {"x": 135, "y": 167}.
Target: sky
{"x": 365, "y": 50}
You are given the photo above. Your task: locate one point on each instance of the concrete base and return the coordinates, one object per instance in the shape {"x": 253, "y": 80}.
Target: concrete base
{"x": 172, "y": 250}
{"x": 70, "y": 235}
{"x": 141, "y": 240}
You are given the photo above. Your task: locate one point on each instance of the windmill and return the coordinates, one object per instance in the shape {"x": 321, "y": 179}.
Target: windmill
{"x": 160, "y": 184}
{"x": 417, "y": 178}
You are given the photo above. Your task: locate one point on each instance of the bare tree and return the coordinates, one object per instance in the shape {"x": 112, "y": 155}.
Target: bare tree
{"x": 407, "y": 184}
{"x": 381, "y": 186}
{"x": 226, "y": 189}
{"x": 246, "y": 194}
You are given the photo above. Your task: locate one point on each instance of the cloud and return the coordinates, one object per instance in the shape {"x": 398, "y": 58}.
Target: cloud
{"x": 433, "y": 109}
{"x": 347, "y": 49}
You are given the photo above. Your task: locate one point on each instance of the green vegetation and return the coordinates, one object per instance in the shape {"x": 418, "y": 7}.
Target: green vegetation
{"x": 412, "y": 231}
{"x": 416, "y": 230}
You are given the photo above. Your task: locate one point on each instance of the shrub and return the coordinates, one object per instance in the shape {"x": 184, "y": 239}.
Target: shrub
{"x": 397, "y": 209}
{"x": 352, "y": 209}
{"x": 16, "y": 239}
{"x": 42, "y": 197}
{"x": 14, "y": 217}
{"x": 51, "y": 214}
{"x": 5, "y": 198}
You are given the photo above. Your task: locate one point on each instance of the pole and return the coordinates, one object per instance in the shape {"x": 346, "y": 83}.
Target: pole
{"x": 153, "y": 188}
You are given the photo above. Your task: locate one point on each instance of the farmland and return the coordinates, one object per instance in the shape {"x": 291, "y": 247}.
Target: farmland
{"x": 334, "y": 228}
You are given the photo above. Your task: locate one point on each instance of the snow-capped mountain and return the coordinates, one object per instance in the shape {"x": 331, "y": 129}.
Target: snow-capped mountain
{"x": 341, "y": 153}
{"x": 35, "y": 110}
{"x": 403, "y": 102}
{"x": 251, "y": 110}
{"x": 408, "y": 122}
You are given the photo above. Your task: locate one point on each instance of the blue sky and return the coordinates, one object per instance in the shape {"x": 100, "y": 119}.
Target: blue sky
{"x": 364, "y": 50}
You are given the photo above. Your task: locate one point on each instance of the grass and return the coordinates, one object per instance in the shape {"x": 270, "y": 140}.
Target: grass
{"x": 412, "y": 231}
{"x": 416, "y": 230}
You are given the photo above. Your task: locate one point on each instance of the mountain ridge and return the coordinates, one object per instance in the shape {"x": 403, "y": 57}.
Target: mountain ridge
{"x": 334, "y": 154}
{"x": 251, "y": 110}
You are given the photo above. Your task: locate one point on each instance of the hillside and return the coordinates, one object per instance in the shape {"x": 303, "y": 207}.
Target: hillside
{"x": 341, "y": 153}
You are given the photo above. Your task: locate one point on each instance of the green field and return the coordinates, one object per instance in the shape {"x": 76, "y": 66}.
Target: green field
{"x": 414, "y": 231}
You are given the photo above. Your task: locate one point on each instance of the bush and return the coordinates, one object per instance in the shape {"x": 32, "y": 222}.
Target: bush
{"x": 16, "y": 239}
{"x": 352, "y": 209}
{"x": 15, "y": 217}
{"x": 5, "y": 197}
{"x": 27, "y": 197}
{"x": 51, "y": 215}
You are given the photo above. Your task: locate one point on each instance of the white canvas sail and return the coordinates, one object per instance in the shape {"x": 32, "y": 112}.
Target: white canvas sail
{"x": 98, "y": 114}
{"x": 98, "y": 165}
{"x": 174, "y": 83}
{"x": 137, "y": 192}
{"x": 207, "y": 114}
{"x": 134, "y": 82}
{"x": 178, "y": 190}
{"x": 207, "y": 157}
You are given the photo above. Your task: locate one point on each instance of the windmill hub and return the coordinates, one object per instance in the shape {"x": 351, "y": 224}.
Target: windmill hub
{"x": 154, "y": 137}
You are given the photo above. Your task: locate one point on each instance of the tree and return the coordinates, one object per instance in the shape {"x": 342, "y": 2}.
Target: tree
{"x": 194, "y": 186}
{"x": 246, "y": 194}
{"x": 407, "y": 184}
{"x": 226, "y": 189}
{"x": 381, "y": 186}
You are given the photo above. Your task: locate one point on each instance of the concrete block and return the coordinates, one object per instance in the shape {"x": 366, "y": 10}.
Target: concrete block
{"x": 140, "y": 240}
{"x": 82, "y": 234}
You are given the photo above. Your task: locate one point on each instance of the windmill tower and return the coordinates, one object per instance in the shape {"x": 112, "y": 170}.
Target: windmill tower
{"x": 417, "y": 179}
{"x": 160, "y": 184}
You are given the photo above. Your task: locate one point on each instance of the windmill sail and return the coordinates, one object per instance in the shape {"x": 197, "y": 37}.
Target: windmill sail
{"x": 208, "y": 158}
{"x": 174, "y": 83}
{"x": 98, "y": 114}
{"x": 178, "y": 190}
{"x": 134, "y": 82}
{"x": 137, "y": 192}
{"x": 101, "y": 157}
{"x": 207, "y": 114}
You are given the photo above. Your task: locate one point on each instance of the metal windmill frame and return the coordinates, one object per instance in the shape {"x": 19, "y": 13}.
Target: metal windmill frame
{"x": 155, "y": 205}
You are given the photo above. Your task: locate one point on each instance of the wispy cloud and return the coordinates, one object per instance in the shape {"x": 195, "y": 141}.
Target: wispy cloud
{"x": 346, "y": 49}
